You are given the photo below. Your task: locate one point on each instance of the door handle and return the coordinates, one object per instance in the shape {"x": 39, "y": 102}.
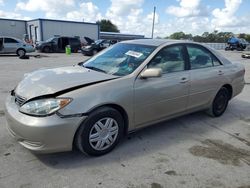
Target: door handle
{"x": 184, "y": 80}
{"x": 220, "y": 72}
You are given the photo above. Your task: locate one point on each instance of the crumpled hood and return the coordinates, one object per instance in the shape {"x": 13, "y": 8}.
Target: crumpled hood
{"x": 51, "y": 81}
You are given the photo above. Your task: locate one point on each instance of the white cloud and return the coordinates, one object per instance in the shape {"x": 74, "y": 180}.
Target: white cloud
{"x": 190, "y": 16}
{"x": 52, "y": 9}
{"x": 129, "y": 16}
{"x": 193, "y": 25}
{"x": 88, "y": 12}
{"x": 226, "y": 17}
{"x": 13, "y": 15}
{"x": 123, "y": 7}
{"x": 188, "y": 8}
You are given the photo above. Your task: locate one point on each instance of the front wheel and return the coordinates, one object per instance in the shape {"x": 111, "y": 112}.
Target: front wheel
{"x": 100, "y": 132}
{"x": 220, "y": 103}
{"x": 21, "y": 52}
{"x": 95, "y": 52}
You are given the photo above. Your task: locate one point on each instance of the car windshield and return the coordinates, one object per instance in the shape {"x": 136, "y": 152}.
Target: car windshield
{"x": 120, "y": 59}
{"x": 98, "y": 41}
{"x": 51, "y": 39}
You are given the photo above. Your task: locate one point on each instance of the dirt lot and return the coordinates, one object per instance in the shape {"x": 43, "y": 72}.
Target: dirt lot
{"x": 190, "y": 151}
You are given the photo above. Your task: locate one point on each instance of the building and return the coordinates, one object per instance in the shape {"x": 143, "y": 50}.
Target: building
{"x": 14, "y": 28}
{"x": 43, "y": 29}
{"x": 119, "y": 36}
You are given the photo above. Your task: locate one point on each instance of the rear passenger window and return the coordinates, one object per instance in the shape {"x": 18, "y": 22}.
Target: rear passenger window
{"x": 10, "y": 40}
{"x": 201, "y": 58}
{"x": 169, "y": 59}
{"x": 74, "y": 41}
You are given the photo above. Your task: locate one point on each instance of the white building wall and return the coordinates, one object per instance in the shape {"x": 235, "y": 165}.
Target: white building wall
{"x": 12, "y": 28}
{"x": 50, "y": 28}
{"x": 34, "y": 30}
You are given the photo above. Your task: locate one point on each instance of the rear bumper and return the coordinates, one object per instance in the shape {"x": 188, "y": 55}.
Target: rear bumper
{"x": 41, "y": 134}
{"x": 238, "y": 86}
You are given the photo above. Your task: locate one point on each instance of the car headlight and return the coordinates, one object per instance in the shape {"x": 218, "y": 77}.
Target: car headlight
{"x": 44, "y": 107}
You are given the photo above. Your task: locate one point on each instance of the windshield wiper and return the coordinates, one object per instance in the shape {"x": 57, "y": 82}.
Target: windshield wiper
{"x": 95, "y": 68}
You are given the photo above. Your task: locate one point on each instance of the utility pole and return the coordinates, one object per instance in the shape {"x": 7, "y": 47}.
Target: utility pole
{"x": 153, "y": 26}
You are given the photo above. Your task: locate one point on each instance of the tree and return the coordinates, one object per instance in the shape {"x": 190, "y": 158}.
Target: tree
{"x": 177, "y": 35}
{"x": 180, "y": 35}
{"x": 215, "y": 36}
{"x": 107, "y": 26}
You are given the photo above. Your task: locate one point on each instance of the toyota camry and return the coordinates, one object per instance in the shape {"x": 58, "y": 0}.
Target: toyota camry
{"x": 130, "y": 85}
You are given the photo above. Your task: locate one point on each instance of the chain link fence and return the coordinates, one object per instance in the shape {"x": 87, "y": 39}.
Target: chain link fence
{"x": 217, "y": 46}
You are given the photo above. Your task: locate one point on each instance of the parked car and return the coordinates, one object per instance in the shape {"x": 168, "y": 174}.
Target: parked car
{"x": 235, "y": 43}
{"x": 245, "y": 55}
{"x": 11, "y": 45}
{"x": 96, "y": 47}
{"x": 58, "y": 44}
{"x": 85, "y": 41}
{"x": 133, "y": 84}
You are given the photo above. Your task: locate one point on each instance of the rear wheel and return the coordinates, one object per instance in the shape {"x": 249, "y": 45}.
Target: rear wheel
{"x": 21, "y": 52}
{"x": 100, "y": 132}
{"x": 46, "y": 49}
{"x": 220, "y": 103}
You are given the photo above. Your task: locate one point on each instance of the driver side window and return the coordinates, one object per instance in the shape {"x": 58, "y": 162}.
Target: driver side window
{"x": 169, "y": 59}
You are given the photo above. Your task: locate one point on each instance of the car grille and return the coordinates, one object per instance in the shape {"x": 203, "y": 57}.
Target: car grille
{"x": 19, "y": 100}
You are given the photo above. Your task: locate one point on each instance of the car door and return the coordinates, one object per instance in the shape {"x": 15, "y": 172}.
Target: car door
{"x": 1, "y": 45}
{"x": 55, "y": 44}
{"x": 206, "y": 76}
{"x": 74, "y": 44}
{"x": 157, "y": 98}
{"x": 10, "y": 45}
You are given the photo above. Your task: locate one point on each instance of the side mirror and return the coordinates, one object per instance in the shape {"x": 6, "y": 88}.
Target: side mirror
{"x": 151, "y": 73}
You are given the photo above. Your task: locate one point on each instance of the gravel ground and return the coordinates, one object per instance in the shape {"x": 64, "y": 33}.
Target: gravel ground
{"x": 191, "y": 151}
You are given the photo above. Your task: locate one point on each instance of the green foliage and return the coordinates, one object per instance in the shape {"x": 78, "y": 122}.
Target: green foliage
{"x": 215, "y": 36}
{"x": 107, "y": 26}
{"x": 180, "y": 35}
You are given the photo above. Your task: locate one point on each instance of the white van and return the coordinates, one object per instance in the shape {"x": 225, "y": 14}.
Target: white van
{"x": 10, "y": 45}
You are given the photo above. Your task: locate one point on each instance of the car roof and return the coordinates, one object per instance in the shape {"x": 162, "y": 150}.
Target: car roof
{"x": 159, "y": 42}
{"x": 11, "y": 38}
{"x": 154, "y": 42}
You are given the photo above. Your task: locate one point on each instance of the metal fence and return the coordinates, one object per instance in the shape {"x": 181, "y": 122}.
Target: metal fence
{"x": 217, "y": 46}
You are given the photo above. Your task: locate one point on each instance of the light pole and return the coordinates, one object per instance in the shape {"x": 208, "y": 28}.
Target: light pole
{"x": 153, "y": 26}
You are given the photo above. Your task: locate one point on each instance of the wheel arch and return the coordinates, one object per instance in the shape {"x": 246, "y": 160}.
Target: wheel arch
{"x": 117, "y": 107}
{"x": 230, "y": 90}
{"x": 20, "y": 49}
{"x": 46, "y": 46}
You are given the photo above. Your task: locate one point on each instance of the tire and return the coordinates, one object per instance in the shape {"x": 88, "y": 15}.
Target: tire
{"x": 220, "y": 103}
{"x": 46, "y": 49}
{"x": 95, "y": 52}
{"x": 21, "y": 52}
{"x": 105, "y": 126}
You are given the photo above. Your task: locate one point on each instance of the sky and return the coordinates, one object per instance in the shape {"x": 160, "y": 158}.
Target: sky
{"x": 136, "y": 16}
